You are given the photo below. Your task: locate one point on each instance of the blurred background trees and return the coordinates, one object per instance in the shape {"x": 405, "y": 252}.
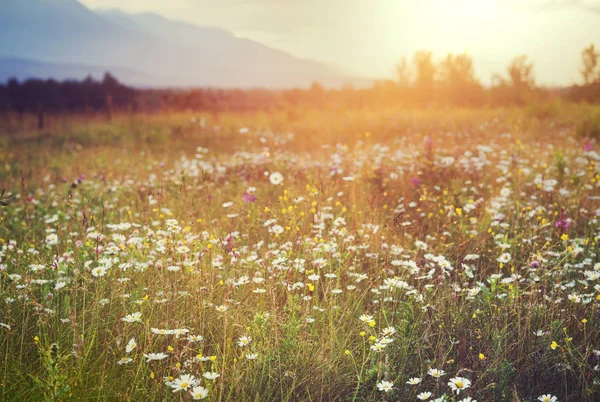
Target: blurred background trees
{"x": 41, "y": 97}
{"x": 590, "y": 70}
{"x": 458, "y": 84}
{"x": 590, "y": 73}
{"x": 419, "y": 81}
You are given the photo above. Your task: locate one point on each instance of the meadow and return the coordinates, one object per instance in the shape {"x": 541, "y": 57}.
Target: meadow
{"x": 302, "y": 255}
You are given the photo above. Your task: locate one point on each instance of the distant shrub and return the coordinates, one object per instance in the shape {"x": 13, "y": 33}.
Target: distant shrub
{"x": 590, "y": 126}
{"x": 543, "y": 109}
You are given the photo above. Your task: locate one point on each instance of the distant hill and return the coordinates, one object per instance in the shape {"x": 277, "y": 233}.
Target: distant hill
{"x": 149, "y": 49}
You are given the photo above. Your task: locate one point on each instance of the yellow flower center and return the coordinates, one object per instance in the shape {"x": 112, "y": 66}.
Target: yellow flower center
{"x": 184, "y": 385}
{"x": 459, "y": 384}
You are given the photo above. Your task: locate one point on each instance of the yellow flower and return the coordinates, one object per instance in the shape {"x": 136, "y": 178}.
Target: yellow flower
{"x": 362, "y": 333}
{"x": 372, "y": 323}
{"x": 213, "y": 358}
{"x": 553, "y": 345}
{"x": 170, "y": 348}
{"x": 482, "y": 356}
{"x": 564, "y": 237}
{"x": 347, "y": 352}
{"x": 584, "y": 320}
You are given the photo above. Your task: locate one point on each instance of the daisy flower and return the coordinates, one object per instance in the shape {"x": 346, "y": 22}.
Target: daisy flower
{"x": 155, "y": 356}
{"x": 389, "y": 331}
{"x": 244, "y": 341}
{"x": 183, "y": 383}
{"x": 276, "y": 178}
{"x": 99, "y": 271}
{"x": 130, "y": 345}
{"x": 199, "y": 393}
{"x": 385, "y": 386}
{"x": 366, "y": 318}
{"x": 421, "y": 245}
{"x": 211, "y": 375}
{"x": 547, "y": 398}
{"x": 504, "y": 258}
{"x": 424, "y": 395}
{"x": 414, "y": 381}
{"x": 436, "y": 373}
{"x": 135, "y": 317}
{"x": 458, "y": 384}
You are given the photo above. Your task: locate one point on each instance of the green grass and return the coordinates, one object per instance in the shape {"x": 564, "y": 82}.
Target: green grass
{"x": 362, "y": 189}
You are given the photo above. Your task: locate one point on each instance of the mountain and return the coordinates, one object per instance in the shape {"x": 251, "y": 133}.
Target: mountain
{"x": 161, "y": 52}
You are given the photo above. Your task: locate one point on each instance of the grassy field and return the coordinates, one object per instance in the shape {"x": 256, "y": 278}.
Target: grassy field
{"x": 302, "y": 255}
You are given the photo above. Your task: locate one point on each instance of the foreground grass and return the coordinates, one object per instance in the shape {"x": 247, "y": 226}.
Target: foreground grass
{"x": 397, "y": 243}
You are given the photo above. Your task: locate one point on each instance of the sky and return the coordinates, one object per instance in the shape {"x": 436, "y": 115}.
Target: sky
{"x": 369, "y": 37}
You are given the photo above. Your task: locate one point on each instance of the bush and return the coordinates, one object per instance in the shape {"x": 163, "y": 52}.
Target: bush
{"x": 590, "y": 127}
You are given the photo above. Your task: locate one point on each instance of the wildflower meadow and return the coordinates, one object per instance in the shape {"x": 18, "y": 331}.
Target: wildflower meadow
{"x": 311, "y": 255}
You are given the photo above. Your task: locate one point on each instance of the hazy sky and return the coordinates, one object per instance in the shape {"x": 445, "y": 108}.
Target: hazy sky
{"x": 368, "y": 37}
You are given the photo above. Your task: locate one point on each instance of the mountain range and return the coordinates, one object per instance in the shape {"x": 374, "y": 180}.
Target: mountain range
{"x": 63, "y": 39}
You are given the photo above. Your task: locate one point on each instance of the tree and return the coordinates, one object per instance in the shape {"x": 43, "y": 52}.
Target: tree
{"x": 458, "y": 81}
{"x": 520, "y": 72}
{"x": 590, "y": 57}
{"x": 425, "y": 71}
{"x": 403, "y": 73}
{"x": 457, "y": 69}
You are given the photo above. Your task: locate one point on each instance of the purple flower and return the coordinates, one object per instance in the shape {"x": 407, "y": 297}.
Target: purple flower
{"x": 415, "y": 181}
{"x": 562, "y": 222}
{"x": 588, "y": 147}
{"x": 247, "y": 197}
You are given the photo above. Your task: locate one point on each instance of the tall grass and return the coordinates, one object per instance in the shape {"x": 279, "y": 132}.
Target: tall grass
{"x": 398, "y": 242}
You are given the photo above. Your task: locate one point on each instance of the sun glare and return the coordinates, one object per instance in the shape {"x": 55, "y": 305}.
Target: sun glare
{"x": 467, "y": 10}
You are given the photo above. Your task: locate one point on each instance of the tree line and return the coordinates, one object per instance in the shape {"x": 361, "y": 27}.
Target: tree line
{"x": 420, "y": 81}
{"x": 50, "y": 96}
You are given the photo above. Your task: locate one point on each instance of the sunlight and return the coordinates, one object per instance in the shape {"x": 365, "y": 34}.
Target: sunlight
{"x": 467, "y": 10}
{"x": 324, "y": 200}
